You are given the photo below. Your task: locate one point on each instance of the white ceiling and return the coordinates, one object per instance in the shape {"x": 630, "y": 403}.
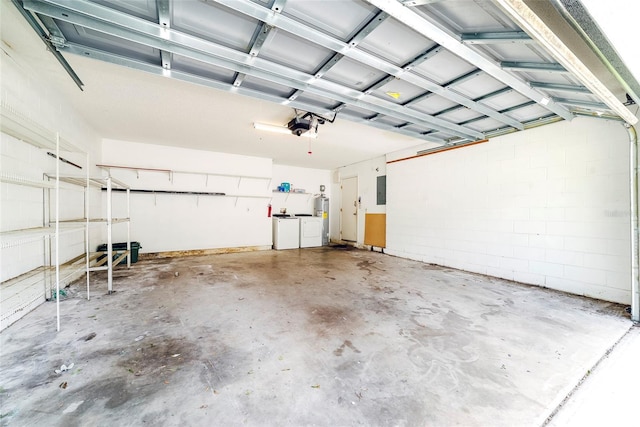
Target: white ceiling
{"x": 130, "y": 105}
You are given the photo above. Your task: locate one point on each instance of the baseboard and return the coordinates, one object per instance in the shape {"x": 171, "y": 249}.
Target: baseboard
{"x": 196, "y": 252}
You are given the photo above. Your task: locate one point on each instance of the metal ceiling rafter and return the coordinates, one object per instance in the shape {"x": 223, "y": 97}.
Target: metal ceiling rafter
{"x": 259, "y": 37}
{"x": 428, "y": 54}
{"x": 56, "y": 36}
{"x": 505, "y": 110}
{"x": 317, "y": 37}
{"x": 354, "y": 41}
{"x": 419, "y": 2}
{"x": 533, "y": 66}
{"x": 580, "y": 103}
{"x": 539, "y": 31}
{"x": 458, "y": 80}
{"x": 496, "y": 37}
{"x": 50, "y": 45}
{"x": 413, "y": 20}
{"x": 259, "y": 40}
{"x": 373, "y": 23}
{"x": 89, "y": 52}
{"x": 478, "y": 99}
{"x": 540, "y": 121}
{"x": 164, "y": 13}
{"x": 379, "y": 84}
{"x": 164, "y": 19}
{"x": 109, "y": 21}
{"x": 502, "y": 91}
{"x": 560, "y": 87}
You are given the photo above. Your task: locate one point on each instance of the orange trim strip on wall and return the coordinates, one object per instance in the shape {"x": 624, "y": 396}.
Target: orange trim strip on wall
{"x": 439, "y": 151}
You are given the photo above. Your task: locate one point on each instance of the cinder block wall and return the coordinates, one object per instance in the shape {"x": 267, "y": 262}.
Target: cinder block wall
{"x": 28, "y": 93}
{"x": 549, "y": 206}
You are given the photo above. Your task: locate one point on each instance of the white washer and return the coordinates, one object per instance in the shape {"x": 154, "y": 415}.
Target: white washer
{"x": 286, "y": 233}
{"x": 310, "y": 231}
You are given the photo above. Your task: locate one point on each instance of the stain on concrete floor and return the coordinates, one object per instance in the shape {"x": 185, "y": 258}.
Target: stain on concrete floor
{"x": 318, "y": 337}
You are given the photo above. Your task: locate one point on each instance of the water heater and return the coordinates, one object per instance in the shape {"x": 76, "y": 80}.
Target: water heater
{"x": 321, "y": 209}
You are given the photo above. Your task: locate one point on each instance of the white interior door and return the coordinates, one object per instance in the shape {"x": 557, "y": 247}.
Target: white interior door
{"x": 349, "y": 210}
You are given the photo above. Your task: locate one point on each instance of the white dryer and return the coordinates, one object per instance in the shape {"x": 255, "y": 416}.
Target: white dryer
{"x": 310, "y": 231}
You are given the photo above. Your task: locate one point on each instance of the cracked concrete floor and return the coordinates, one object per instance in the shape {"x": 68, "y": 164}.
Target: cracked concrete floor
{"x": 310, "y": 337}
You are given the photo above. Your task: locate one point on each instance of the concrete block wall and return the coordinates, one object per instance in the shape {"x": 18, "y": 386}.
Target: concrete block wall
{"x": 24, "y": 207}
{"x": 549, "y": 206}
{"x": 28, "y": 92}
{"x": 179, "y": 222}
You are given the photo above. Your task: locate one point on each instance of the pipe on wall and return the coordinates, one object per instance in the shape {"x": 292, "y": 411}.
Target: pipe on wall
{"x": 633, "y": 187}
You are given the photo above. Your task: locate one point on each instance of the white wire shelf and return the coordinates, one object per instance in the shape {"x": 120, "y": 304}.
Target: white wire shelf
{"x": 93, "y": 221}
{"x": 171, "y": 172}
{"x": 24, "y": 128}
{"x": 9, "y": 239}
{"x": 81, "y": 181}
{"x": 12, "y": 178}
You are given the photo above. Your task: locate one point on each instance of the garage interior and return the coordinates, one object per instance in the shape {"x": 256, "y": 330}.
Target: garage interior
{"x": 235, "y": 212}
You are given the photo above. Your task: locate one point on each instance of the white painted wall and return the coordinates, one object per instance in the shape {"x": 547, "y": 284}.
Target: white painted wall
{"x": 26, "y": 91}
{"x": 301, "y": 178}
{"x": 366, "y": 172}
{"x": 549, "y": 206}
{"x": 171, "y": 222}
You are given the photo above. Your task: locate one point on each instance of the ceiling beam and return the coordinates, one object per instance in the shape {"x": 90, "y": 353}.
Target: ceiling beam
{"x": 414, "y": 3}
{"x": 533, "y": 66}
{"x": 322, "y": 39}
{"x": 429, "y": 30}
{"x": 424, "y": 56}
{"x": 458, "y": 80}
{"x": 355, "y": 40}
{"x": 495, "y": 37}
{"x": 560, "y": 87}
{"x": 539, "y": 31}
{"x": 479, "y": 99}
{"x": 164, "y": 20}
{"x": 51, "y": 47}
{"x": 255, "y": 45}
{"x": 118, "y": 24}
{"x": 259, "y": 37}
{"x": 373, "y": 23}
{"x": 580, "y": 103}
{"x": 56, "y": 37}
{"x": 164, "y": 13}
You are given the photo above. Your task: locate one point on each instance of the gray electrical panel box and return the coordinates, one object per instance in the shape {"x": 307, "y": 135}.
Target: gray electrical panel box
{"x": 381, "y": 190}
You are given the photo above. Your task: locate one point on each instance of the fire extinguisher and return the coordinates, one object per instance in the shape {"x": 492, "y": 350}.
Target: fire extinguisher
{"x": 269, "y": 211}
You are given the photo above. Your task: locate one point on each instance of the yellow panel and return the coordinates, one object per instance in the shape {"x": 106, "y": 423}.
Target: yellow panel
{"x": 375, "y": 230}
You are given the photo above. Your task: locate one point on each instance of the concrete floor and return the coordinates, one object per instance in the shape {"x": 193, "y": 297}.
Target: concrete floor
{"x": 323, "y": 337}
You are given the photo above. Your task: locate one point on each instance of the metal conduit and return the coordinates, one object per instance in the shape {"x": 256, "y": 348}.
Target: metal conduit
{"x": 633, "y": 188}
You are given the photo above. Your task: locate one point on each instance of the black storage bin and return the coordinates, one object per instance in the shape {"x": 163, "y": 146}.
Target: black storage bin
{"x": 135, "y": 247}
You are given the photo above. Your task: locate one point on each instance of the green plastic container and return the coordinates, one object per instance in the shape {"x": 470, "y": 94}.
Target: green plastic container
{"x": 135, "y": 247}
